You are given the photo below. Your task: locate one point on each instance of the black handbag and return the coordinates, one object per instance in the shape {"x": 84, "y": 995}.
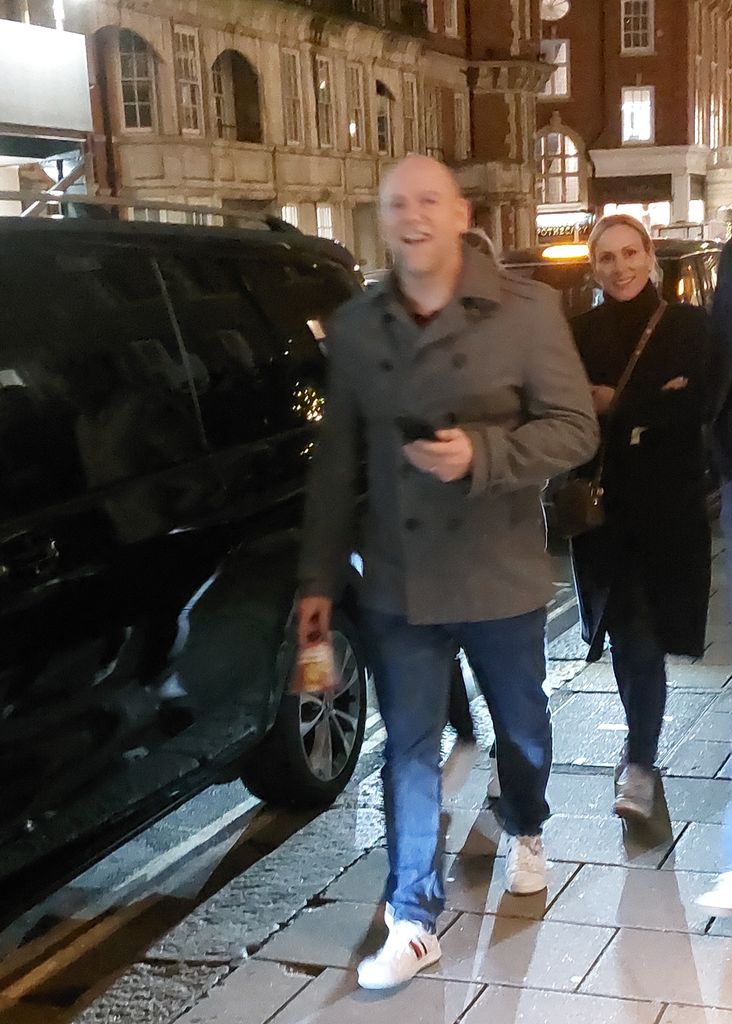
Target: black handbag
{"x": 579, "y": 504}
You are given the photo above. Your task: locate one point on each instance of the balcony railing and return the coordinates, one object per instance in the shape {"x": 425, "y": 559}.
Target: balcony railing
{"x": 397, "y": 15}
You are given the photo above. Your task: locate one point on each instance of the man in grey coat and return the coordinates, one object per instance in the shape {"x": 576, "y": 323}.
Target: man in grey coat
{"x": 454, "y": 546}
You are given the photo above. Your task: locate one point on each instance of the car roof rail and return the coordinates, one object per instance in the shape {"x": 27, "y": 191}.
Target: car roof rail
{"x": 37, "y": 203}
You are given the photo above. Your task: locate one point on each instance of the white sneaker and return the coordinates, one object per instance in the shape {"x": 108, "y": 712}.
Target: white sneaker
{"x": 388, "y": 915}
{"x": 458, "y": 766}
{"x": 494, "y": 783}
{"x": 525, "y": 865}
{"x": 719, "y": 899}
{"x": 636, "y": 792}
{"x": 409, "y": 949}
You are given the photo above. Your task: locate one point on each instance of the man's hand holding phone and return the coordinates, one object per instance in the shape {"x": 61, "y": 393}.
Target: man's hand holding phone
{"x": 446, "y": 454}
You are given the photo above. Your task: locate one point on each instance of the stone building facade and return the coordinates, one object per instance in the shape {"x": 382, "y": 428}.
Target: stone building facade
{"x": 299, "y": 108}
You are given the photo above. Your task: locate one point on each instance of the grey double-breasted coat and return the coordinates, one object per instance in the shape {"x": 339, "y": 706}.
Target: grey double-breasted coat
{"x": 498, "y": 361}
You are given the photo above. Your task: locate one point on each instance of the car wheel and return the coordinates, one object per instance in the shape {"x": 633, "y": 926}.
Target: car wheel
{"x": 311, "y": 751}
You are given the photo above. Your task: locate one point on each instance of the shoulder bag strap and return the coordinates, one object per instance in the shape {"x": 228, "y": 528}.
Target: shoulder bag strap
{"x": 627, "y": 374}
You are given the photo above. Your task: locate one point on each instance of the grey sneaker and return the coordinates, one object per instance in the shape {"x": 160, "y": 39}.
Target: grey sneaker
{"x": 635, "y": 792}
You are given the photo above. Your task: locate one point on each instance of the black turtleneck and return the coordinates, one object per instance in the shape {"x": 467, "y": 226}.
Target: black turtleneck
{"x": 617, "y": 328}
{"x": 629, "y": 318}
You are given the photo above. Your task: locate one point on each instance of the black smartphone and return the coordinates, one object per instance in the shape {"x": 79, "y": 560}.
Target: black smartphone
{"x": 414, "y": 429}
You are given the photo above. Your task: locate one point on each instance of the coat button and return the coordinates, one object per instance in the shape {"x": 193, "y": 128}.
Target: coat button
{"x": 389, "y": 318}
{"x": 450, "y": 419}
{"x": 411, "y": 524}
{"x": 386, "y": 365}
{"x": 454, "y": 523}
{"x": 459, "y": 360}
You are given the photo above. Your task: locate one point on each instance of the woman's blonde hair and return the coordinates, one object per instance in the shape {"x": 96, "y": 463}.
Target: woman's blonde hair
{"x": 615, "y": 220}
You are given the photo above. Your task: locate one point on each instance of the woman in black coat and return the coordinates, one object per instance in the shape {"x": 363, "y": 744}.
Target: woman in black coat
{"x": 643, "y": 578}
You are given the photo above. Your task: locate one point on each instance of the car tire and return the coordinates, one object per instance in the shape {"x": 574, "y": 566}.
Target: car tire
{"x": 310, "y": 753}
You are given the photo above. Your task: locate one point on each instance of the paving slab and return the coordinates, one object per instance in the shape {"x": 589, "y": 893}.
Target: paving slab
{"x": 527, "y": 1006}
{"x": 698, "y": 849}
{"x": 626, "y": 898}
{"x": 698, "y": 676}
{"x": 471, "y": 884}
{"x": 581, "y": 793}
{"x": 698, "y": 758}
{"x": 715, "y": 726}
{"x": 701, "y": 800}
{"x": 510, "y": 951}
{"x": 246, "y": 911}
{"x": 596, "y": 678}
{"x": 590, "y": 729}
{"x": 596, "y": 840}
{"x": 695, "y": 1015}
{"x": 719, "y": 652}
{"x": 334, "y": 935}
{"x": 725, "y": 772}
{"x": 335, "y": 998}
{"x": 665, "y": 966}
{"x": 263, "y": 988}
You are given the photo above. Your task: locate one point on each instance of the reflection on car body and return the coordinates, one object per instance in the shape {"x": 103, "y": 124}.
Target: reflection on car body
{"x": 159, "y": 402}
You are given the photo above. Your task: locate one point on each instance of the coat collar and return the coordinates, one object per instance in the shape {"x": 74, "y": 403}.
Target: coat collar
{"x": 477, "y": 294}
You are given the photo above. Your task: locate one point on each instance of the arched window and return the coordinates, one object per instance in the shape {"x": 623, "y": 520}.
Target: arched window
{"x": 558, "y": 169}
{"x": 236, "y": 97}
{"x": 137, "y": 82}
{"x": 384, "y": 100}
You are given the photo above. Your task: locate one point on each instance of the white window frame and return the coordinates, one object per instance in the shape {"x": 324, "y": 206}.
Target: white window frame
{"x": 324, "y": 101}
{"x": 356, "y": 108}
{"x": 452, "y": 24}
{"x": 384, "y": 115}
{"x": 324, "y": 220}
{"x": 222, "y": 83}
{"x": 433, "y": 121}
{"x": 136, "y": 78}
{"x": 431, "y": 24}
{"x": 627, "y": 10}
{"x": 410, "y": 108}
{"x": 188, "y": 84}
{"x": 567, "y": 161}
{"x": 462, "y": 127}
{"x": 292, "y": 113}
{"x": 290, "y": 214}
{"x": 550, "y": 50}
{"x": 626, "y": 91}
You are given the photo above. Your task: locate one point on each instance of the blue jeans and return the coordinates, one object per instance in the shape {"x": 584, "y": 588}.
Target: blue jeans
{"x": 411, "y": 666}
{"x": 726, "y": 518}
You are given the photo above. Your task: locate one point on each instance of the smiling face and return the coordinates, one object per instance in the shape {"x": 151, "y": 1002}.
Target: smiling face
{"x": 621, "y": 263}
{"x": 423, "y": 217}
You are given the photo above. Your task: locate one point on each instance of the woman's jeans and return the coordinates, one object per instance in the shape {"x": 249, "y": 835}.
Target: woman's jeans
{"x": 639, "y": 665}
{"x": 411, "y": 666}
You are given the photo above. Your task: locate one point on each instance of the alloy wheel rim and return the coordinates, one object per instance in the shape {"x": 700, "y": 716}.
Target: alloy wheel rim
{"x": 329, "y": 722}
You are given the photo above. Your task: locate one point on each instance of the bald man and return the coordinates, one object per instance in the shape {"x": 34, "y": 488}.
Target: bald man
{"x": 465, "y": 384}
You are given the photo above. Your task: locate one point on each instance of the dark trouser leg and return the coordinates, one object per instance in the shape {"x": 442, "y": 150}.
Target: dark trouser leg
{"x": 458, "y": 714}
{"x": 508, "y": 659}
{"x": 411, "y": 666}
{"x": 640, "y": 670}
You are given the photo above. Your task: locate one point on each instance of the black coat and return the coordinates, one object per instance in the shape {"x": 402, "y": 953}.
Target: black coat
{"x": 657, "y": 527}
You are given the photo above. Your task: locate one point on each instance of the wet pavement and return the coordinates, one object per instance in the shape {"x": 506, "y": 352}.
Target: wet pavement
{"x": 616, "y": 939}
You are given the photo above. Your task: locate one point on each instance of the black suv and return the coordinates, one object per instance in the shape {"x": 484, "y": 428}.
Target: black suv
{"x": 688, "y": 270}
{"x": 160, "y": 392}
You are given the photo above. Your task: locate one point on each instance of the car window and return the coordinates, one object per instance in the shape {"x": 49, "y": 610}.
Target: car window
{"x": 686, "y": 287}
{"x": 298, "y": 298}
{"x": 92, "y": 385}
{"x": 574, "y": 281}
{"x": 707, "y": 266}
